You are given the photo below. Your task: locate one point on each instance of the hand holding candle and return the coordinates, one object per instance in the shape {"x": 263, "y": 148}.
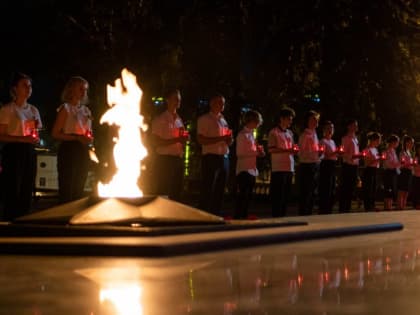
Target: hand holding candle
{"x": 227, "y": 135}
{"x": 260, "y": 150}
{"x": 183, "y": 133}
{"x": 89, "y": 134}
{"x": 383, "y": 156}
{"x": 227, "y": 131}
{"x": 35, "y": 135}
{"x": 321, "y": 148}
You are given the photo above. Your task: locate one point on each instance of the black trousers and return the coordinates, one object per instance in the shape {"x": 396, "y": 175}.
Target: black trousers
{"x": 415, "y": 191}
{"x": 327, "y": 181}
{"x": 245, "y": 183}
{"x": 308, "y": 176}
{"x": 348, "y": 185}
{"x": 369, "y": 187}
{"x": 169, "y": 176}
{"x": 214, "y": 172}
{"x": 280, "y": 187}
{"x": 18, "y": 178}
{"x": 73, "y": 166}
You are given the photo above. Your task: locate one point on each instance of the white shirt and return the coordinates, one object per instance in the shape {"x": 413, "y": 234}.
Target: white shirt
{"x": 167, "y": 126}
{"x": 406, "y": 160}
{"x": 391, "y": 159}
{"x": 211, "y": 125}
{"x": 308, "y": 147}
{"x": 372, "y": 157}
{"x": 281, "y": 139}
{"x": 351, "y": 147}
{"x": 20, "y": 120}
{"x": 78, "y": 120}
{"x": 330, "y": 148}
{"x": 246, "y": 152}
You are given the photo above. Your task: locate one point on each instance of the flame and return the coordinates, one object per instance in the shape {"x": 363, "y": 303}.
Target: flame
{"x": 124, "y": 99}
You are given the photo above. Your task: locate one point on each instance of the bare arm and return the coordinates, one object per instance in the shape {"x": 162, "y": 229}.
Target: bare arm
{"x": 279, "y": 150}
{"x": 203, "y": 140}
{"x": 159, "y": 141}
{"x": 58, "y": 134}
{"x": 4, "y": 137}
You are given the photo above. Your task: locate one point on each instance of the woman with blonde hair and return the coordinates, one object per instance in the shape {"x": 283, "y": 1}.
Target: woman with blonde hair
{"x": 73, "y": 128}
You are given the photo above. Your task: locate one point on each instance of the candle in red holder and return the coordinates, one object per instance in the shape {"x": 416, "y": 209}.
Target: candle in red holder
{"x": 364, "y": 153}
{"x": 89, "y": 134}
{"x": 34, "y": 133}
{"x": 341, "y": 149}
{"x": 416, "y": 161}
{"x": 403, "y": 160}
{"x": 227, "y": 131}
{"x": 321, "y": 148}
{"x": 383, "y": 156}
{"x": 295, "y": 148}
{"x": 183, "y": 132}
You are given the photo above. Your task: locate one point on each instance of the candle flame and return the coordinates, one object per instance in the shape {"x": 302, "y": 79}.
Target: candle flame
{"x": 124, "y": 99}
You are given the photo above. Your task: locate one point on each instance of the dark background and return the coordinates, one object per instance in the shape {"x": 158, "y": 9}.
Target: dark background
{"x": 344, "y": 58}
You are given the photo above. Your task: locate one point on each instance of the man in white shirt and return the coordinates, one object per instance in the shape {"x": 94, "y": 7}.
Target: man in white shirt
{"x": 215, "y": 137}
{"x": 169, "y": 138}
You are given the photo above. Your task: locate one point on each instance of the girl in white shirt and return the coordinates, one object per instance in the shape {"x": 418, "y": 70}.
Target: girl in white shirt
{"x": 247, "y": 151}
{"x": 372, "y": 162}
{"x": 327, "y": 176}
{"x": 415, "y": 188}
{"x": 73, "y": 128}
{"x": 19, "y": 122}
{"x": 404, "y": 178}
{"x": 391, "y": 170}
{"x": 309, "y": 159}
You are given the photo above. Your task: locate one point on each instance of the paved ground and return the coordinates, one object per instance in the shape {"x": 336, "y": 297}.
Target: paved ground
{"x": 259, "y": 206}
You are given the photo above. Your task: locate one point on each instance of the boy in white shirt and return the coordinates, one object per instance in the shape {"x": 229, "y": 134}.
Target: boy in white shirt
{"x": 281, "y": 148}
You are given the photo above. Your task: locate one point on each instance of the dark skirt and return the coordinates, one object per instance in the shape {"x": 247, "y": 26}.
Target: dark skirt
{"x": 404, "y": 179}
{"x": 390, "y": 183}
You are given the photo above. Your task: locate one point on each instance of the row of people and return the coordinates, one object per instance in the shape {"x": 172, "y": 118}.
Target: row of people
{"x": 19, "y": 125}
{"x": 317, "y": 161}
{"x": 19, "y": 122}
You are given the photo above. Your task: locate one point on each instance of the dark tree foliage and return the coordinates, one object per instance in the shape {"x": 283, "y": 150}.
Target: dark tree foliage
{"x": 360, "y": 58}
